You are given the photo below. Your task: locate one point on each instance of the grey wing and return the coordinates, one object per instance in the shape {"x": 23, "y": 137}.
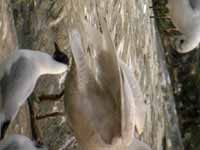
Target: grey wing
{"x": 106, "y": 60}
{"x": 195, "y": 4}
{"x": 139, "y": 101}
{"x": 17, "y": 84}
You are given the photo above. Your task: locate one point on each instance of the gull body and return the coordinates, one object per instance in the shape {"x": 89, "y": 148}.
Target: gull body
{"x": 19, "y": 142}
{"x": 18, "y": 77}
{"x": 185, "y": 15}
{"x": 98, "y": 99}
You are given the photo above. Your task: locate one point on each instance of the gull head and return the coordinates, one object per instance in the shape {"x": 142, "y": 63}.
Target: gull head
{"x": 185, "y": 44}
{"x": 60, "y": 56}
{"x": 179, "y": 44}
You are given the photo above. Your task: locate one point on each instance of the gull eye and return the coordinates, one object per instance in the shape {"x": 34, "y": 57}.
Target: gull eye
{"x": 182, "y": 41}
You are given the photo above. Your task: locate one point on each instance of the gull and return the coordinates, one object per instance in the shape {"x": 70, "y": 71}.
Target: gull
{"x": 98, "y": 99}
{"x": 19, "y": 142}
{"x": 134, "y": 88}
{"x": 185, "y": 14}
{"x": 18, "y": 76}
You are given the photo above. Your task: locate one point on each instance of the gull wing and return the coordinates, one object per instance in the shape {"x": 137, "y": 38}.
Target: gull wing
{"x": 100, "y": 103}
{"x": 107, "y": 69}
{"x": 138, "y": 98}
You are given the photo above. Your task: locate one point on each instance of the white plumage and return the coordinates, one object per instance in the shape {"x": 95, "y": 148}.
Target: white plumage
{"x": 19, "y": 142}
{"x": 134, "y": 93}
{"x": 185, "y": 14}
{"x": 18, "y": 77}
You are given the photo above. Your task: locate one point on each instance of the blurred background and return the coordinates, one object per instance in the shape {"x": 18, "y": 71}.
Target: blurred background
{"x": 169, "y": 81}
